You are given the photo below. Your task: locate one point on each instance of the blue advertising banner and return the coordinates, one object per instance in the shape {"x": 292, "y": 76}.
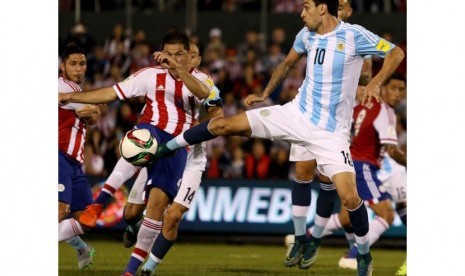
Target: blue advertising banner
{"x": 234, "y": 206}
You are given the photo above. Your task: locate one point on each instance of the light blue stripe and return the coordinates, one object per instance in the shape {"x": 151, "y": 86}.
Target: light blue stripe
{"x": 386, "y": 165}
{"x": 304, "y": 87}
{"x": 318, "y": 84}
{"x": 336, "y": 88}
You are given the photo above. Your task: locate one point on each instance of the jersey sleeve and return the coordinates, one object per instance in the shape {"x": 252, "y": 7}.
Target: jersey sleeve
{"x": 368, "y": 43}
{"x": 299, "y": 45}
{"x": 68, "y": 87}
{"x": 385, "y": 125}
{"x": 135, "y": 85}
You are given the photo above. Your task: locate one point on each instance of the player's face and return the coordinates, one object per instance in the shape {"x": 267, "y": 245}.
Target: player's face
{"x": 311, "y": 15}
{"x": 344, "y": 10}
{"x": 178, "y": 53}
{"x": 74, "y": 68}
{"x": 393, "y": 91}
{"x": 194, "y": 56}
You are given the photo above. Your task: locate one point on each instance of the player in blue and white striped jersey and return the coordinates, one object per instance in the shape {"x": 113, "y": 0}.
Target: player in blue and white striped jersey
{"x": 319, "y": 117}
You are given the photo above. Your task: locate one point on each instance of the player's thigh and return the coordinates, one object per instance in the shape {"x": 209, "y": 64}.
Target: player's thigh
{"x": 63, "y": 211}
{"x": 346, "y": 189}
{"x": 190, "y": 183}
{"x": 158, "y": 201}
{"x": 384, "y": 209}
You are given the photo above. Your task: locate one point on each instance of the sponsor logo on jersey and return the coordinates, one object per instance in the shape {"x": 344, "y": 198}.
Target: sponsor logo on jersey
{"x": 160, "y": 87}
{"x": 383, "y": 45}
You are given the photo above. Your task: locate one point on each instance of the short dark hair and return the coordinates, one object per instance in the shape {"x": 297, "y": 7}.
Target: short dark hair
{"x": 176, "y": 37}
{"x": 72, "y": 48}
{"x": 396, "y": 76}
{"x": 331, "y": 4}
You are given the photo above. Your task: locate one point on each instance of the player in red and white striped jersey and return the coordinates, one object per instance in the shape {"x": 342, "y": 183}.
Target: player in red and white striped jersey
{"x": 74, "y": 192}
{"x": 173, "y": 93}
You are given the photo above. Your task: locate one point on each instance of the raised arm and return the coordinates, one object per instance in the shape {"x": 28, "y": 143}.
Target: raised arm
{"x": 390, "y": 64}
{"x": 97, "y": 96}
{"x": 279, "y": 74}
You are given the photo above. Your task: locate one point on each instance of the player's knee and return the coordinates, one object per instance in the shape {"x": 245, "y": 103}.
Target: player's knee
{"x": 174, "y": 215}
{"x": 63, "y": 212}
{"x": 302, "y": 174}
{"x": 219, "y": 127}
{"x": 350, "y": 201}
{"x": 387, "y": 214}
{"x": 132, "y": 212}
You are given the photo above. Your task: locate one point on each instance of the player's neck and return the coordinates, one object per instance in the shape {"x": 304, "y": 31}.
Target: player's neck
{"x": 328, "y": 24}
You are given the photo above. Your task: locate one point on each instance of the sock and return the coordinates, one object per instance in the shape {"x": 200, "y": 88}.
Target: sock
{"x": 319, "y": 226}
{"x": 324, "y": 208}
{"x": 402, "y": 212}
{"x": 147, "y": 235}
{"x": 359, "y": 219}
{"x": 121, "y": 173}
{"x": 69, "y": 228}
{"x": 151, "y": 262}
{"x": 159, "y": 250}
{"x": 77, "y": 243}
{"x": 377, "y": 227}
{"x": 350, "y": 237}
{"x": 301, "y": 198}
{"x": 192, "y": 136}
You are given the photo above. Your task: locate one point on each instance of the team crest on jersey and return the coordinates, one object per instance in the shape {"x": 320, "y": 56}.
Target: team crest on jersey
{"x": 61, "y": 187}
{"x": 340, "y": 46}
{"x": 383, "y": 45}
{"x": 265, "y": 112}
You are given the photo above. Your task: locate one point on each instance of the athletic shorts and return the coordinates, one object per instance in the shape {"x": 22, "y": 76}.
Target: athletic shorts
{"x": 137, "y": 193}
{"x": 394, "y": 179}
{"x": 331, "y": 150}
{"x": 73, "y": 186}
{"x": 164, "y": 173}
{"x": 189, "y": 185}
{"x": 368, "y": 184}
{"x": 197, "y": 157}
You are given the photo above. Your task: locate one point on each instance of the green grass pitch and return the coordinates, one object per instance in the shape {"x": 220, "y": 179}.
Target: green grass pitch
{"x": 222, "y": 259}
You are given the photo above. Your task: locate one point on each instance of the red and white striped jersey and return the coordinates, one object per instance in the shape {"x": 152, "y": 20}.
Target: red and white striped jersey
{"x": 169, "y": 105}
{"x": 71, "y": 130}
{"x": 374, "y": 125}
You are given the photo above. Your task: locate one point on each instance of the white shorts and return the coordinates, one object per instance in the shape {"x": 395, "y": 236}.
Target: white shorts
{"x": 331, "y": 150}
{"x": 197, "y": 157}
{"x": 394, "y": 179}
{"x": 137, "y": 194}
{"x": 299, "y": 153}
{"x": 190, "y": 183}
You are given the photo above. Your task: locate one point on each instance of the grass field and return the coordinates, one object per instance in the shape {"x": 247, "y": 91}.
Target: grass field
{"x": 222, "y": 259}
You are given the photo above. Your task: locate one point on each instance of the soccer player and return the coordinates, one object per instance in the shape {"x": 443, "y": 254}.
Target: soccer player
{"x": 172, "y": 95}
{"x": 321, "y": 112}
{"x": 74, "y": 192}
{"x": 305, "y": 165}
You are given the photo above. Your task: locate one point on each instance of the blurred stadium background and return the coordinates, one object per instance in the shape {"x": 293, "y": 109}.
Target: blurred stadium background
{"x": 241, "y": 41}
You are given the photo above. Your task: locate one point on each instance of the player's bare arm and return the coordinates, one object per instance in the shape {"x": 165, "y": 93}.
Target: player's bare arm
{"x": 390, "y": 64}
{"x": 97, "y": 96}
{"x": 279, "y": 74}
{"x": 397, "y": 154}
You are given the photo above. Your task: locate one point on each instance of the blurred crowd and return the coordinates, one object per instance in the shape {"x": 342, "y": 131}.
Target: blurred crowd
{"x": 237, "y": 70}
{"x": 288, "y": 6}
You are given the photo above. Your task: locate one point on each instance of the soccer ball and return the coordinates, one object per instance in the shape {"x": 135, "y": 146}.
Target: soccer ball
{"x": 138, "y": 147}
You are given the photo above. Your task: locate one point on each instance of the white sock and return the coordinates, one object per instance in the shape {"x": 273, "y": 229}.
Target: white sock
{"x": 121, "y": 173}
{"x": 377, "y": 227}
{"x": 147, "y": 235}
{"x": 69, "y": 228}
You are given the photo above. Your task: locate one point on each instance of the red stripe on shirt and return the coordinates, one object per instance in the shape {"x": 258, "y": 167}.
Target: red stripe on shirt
{"x": 192, "y": 105}
{"x": 148, "y": 111}
{"x": 79, "y": 137}
{"x": 160, "y": 98}
{"x": 179, "y": 103}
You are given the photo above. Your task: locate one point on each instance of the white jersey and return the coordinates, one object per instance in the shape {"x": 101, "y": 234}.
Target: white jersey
{"x": 169, "y": 105}
{"x": 334, "y": 62}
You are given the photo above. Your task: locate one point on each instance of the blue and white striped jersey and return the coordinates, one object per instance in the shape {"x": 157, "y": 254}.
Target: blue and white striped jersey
{"x": 334, "y": 62}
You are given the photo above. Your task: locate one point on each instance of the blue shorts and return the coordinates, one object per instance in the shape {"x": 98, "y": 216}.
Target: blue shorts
{"x": 73, "y": 186}
{"x": 164, "y": 173}
{"x": 368, "y": 183}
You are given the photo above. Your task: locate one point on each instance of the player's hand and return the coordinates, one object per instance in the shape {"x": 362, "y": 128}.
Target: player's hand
{"x": 88, "y": 111}
{"x": 165, "y": 60}
{"x": 254, "y": 98}
{"x": 63, "y": 98}
{"x": 371, "y": 90}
